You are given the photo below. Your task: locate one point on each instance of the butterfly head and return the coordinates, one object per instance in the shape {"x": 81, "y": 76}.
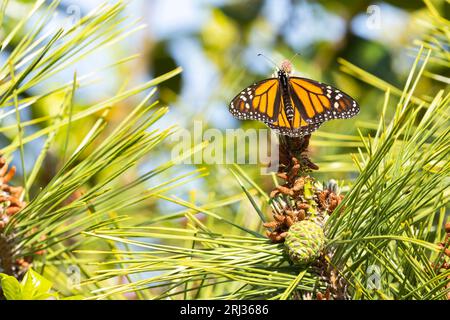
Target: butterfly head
{"x": 286, "y": 67}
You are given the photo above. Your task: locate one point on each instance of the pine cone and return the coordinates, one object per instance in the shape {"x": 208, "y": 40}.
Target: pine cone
{"x": 6, "y": 256}
{"x": 304, "y": 242}
{"x": 10, "y": 204}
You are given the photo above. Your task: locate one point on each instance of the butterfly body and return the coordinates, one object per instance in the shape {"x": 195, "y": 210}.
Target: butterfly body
{"x": 292, "y": 106}
{"x": 284, "y": 83}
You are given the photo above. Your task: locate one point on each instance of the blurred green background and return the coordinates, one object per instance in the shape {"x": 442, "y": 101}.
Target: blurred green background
{"x": 216, "y": 43}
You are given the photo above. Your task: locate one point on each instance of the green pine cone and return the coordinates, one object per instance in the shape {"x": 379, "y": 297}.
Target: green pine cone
{"x": 304, "y": 242}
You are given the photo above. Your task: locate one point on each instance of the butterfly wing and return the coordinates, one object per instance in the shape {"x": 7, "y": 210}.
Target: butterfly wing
{"x": 298, "y": 127}
{"x": 318, "y": 102}
{"x": 313, "y": 102}
{"x": 260, "y": 101}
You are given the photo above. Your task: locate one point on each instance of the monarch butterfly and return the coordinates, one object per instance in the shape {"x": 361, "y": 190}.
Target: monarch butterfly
{"x": 292, "y": 106}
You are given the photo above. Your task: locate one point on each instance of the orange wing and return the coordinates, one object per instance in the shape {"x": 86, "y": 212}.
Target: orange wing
{"x": 297, "y": 127}
{"x": 318, "y": 102}
{"x": 313, "y": 103}
{"x": 260, "y": 101}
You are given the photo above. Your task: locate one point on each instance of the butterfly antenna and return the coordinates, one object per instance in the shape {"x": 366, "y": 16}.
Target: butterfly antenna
{"x": 268, "y": 59}
{"x": 295, "y": 55}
